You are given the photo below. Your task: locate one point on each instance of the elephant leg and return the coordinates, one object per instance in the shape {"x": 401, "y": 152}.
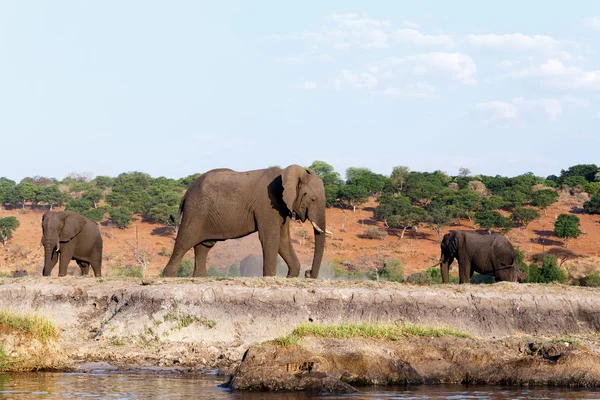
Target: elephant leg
{"x": 464, "y": 270}
{"x": 66, "y": 254}
{"x": 85, "y": 267}
{"x": 182, "y": 244}
{"x": 53, "y": 261}
{"x": 200, "y": 253}
{"x": 97, "y": 264}
{"x": 286, "y": 251}
{"x": 269, "y": 240}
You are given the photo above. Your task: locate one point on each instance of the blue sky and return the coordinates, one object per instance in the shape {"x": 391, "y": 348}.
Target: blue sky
{"x": 175, "y": 88}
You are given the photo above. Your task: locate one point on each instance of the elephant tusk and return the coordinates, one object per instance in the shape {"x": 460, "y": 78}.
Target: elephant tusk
{"x": 435, "y": 265}
{"x": 57, "y": 247}
{"x": 316, "y": 227}
{"x": 319, "y": 229}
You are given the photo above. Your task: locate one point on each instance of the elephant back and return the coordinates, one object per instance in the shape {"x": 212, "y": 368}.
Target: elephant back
{"x": 251, "y": 265}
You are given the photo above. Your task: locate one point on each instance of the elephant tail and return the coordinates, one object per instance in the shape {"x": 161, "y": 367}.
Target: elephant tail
{"x": 179, "y": 212}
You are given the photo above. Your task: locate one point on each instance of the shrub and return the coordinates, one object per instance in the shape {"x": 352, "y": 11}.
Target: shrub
{"x": 550, "y": 271}
{"x": 592, "y": 279}
{"x": 121, "y": 216}
{"x": 373, "y": 232}
{"x": 8, "y": 226}
{"x": 431, "y": 276}
{"x": 78, "y": 205}
{"x": 186, "y": 269}
{"x": 130, "y": 272}
{"x": 393, "y": 271}
{"x": 96, "y": 214}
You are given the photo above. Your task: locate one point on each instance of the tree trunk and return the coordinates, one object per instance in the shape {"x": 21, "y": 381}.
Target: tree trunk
{"x": 403, "y": 230}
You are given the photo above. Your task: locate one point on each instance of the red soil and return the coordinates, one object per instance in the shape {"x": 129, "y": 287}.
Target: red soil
{"x": 417, "y": 250}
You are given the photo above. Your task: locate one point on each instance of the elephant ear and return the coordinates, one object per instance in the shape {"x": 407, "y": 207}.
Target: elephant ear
{"x": 291, "y": 180}
{"x": 74, "y": 223}
{"x": 453, "y": 244}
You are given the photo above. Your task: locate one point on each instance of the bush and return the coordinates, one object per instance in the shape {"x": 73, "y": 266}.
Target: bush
{"x": 96, "y": 214}
{"x": 78, "y": 205}
{"x": 431, "y": 276}
{"x": 592, "y": 206}
{"x": 373, "y": 232}
{"x": 591, "y": 280}
{"x": 393, "y": 271}
{"x": 130, "y": 272}
{"x": 186, "y": 269}
{"x": 8, "y": 226}
{"x": 550, "y": 271}
{"x": 121, "y": 216}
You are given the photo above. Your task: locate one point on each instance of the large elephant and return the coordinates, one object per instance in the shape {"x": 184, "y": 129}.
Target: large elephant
{"x": 68, "y": 235}
{"x": 251, "y": 265}
{"x": 488, "y": 254}
{"x": 224, "y": 204}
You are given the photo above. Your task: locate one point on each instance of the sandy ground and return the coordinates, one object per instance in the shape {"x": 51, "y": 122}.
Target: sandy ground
{"x": 417, "y": 250}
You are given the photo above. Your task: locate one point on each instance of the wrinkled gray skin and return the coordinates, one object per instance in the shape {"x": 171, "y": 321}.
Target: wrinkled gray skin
{"x": 224, "y": 204}
{"x": 488, "y": 254}
{"x": 251, "y": 265}
{"x": 69, "y": 236}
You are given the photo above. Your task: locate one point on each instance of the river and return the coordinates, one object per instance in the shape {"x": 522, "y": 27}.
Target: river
{"x": 154, "y": 385}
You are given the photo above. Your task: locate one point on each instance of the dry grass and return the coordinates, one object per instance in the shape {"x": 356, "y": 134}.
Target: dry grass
{"x": 34, "y": 325}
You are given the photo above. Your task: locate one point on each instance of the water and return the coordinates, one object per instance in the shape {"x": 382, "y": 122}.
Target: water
{"x": 152, "y": 385}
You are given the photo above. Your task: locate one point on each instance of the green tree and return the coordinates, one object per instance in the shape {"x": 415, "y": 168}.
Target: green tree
{"x": 365, "y": 178}
{"x": 550, "y": 271}
{"x": 438, "y": 218}
{"x": 93, "y": 195}
{"x": 354, "y": 194}
{"x": 422, "y": 187}
{"x": 8, "y": 226}
{"x": 544, "y": 198}
{"x": 121, "y": 216}
{"x": 103, "y": 182}
{"x": 331, "y": 181}
{"x": 489, "y": 220}
{"x": 96, "y": 214}
{"x": 399, "y": 177}
{"x": 78, "y": 205}
{"x": 8, "y": 192}
{"x": 492, "y": 203}
{"x": 524, "y": 215}
{"x": 593, "y": 205}
{"x": 26, "y": 192}
{"x": 51, "y": 195}
{"x": 566, "y": 227}
{"x": 587, "y": 171}
{"x": 575, "y": 181}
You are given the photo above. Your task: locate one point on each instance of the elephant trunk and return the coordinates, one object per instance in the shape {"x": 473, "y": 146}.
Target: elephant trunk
{"x": 444, "y": 267}
{"x": 319, "y": 228}
{"x": 48, "y": 253}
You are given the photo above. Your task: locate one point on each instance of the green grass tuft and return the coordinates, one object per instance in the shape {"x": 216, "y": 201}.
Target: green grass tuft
{"x": 288, "y": 340}
{"x": 4, "y": 359}
{"x": 374, "y": 331}
{"x": 34, "y": 325}
{"x": 185, "y": 320}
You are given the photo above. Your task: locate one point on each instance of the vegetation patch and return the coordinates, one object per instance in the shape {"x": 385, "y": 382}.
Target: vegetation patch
{"x": 185, "y": 320}
{"x": 372, "y": 331}
{"x": 34, "y": 325}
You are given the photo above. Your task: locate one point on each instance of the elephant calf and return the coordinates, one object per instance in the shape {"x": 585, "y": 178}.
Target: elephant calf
{"x": 68, "y": 235}
{"x": 488, "y": 254}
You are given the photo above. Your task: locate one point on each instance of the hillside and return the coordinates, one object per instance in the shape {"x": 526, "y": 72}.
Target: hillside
{"x": 417, "y": 250}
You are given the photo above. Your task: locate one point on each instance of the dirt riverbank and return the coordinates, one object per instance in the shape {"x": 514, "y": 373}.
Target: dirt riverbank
{"x": 193, "y": 324}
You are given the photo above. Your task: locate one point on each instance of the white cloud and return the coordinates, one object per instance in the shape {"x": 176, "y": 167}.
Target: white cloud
{"x": 597, "y": 115}
{"x": 518, "y": 41}
{"x": 507, "y": 64}
{"x": 554, "y": 73}
{"x": 416, "y": 38}
{"x": 575, "y": 101}
{"x": 457, "y": 66}
{"x": 292, "y": 60}
{"x": 498, "y": 110}
{"x": 348, "y": 31}
{"x": 326, "y": 58}
{"x": 419, "y": 90}
{"x": 353, "y": 80}
{"x": 410, "y": 24}
{"x": 308, "y": 85}
{"x": 593, "y": 22}
{"x": 518, "y": 108}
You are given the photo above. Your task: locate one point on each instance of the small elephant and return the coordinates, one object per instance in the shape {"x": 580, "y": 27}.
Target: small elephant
{"x": 488, "y": 254}
{"x": 19, "y": 273}
{"x": 72, "y": 237}
{"x": 225, "y": 204}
